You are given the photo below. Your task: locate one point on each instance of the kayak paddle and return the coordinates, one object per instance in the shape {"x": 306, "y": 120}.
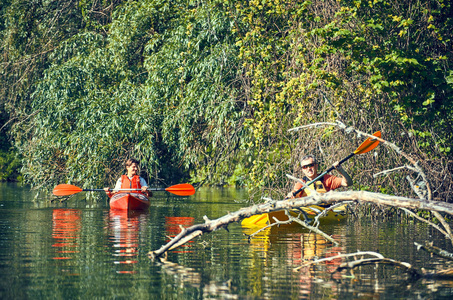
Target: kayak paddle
{"x": 182, "y": 189}
{"x": 368, "y": 145}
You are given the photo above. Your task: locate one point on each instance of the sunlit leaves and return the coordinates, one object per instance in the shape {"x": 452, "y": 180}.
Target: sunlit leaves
{"x": 208, "y": 89}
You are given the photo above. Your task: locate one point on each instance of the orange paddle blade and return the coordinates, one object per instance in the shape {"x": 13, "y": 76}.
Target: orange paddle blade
{"x": 182, "y": 189}
{"x": 66, "y": 190}
{"x": 369, "y": 144}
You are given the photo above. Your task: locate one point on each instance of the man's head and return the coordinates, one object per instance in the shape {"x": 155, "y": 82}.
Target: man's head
{"x": 309, "y": 166}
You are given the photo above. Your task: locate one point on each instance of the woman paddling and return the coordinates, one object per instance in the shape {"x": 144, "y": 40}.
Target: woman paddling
{"x": 131, "y": 180}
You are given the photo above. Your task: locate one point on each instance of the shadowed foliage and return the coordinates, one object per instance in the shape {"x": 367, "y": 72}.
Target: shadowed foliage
{"x": 206, "y": 90}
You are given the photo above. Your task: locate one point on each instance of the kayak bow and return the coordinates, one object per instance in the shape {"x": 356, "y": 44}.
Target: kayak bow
{"x": 129, "y": 201}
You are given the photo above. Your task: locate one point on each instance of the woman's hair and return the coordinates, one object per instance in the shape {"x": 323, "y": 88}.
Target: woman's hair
{"x": 131, "y": 161}
{"x": 315, "y": 161}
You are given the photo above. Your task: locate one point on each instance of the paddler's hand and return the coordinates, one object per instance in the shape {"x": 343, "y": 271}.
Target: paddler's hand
{"x": 144, "y": 189}
{"x": 347, "y": 180}
{"x": 108, "y": 192}
{"x": 337, "y": 165}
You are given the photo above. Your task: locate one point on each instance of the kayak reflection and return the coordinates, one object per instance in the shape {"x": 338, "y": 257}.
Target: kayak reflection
{"x": 66, "y": 224}
{"x": 294, "y": 246}
{"x": 173, "y": 228}
{"x": 124, "y": 231}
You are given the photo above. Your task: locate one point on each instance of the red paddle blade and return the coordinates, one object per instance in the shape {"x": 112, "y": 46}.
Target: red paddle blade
{"x": 182, "y": 189}
{"x": 369, "y": 144}
{"x": 66, "y": 190}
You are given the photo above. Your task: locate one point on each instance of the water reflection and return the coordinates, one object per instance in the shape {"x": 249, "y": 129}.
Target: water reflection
{"x": 295, "y": 246}
{"x": 88, "y": 251}
{"x": 66, "y": 224}
{"x": 185, "y": 276}
{"x": 124, "y": 230}
{"x": 173, "y": 228}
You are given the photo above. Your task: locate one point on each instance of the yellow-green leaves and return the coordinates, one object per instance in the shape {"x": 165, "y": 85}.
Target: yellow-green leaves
{"x": 209, "y": 89}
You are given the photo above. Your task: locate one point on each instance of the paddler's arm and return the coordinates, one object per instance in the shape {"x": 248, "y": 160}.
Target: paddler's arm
{"x": 109, "y": 192}
{"x": 291, "y": 194}
{"x": 144, "y": 186}
{"x": 347, "y": 180}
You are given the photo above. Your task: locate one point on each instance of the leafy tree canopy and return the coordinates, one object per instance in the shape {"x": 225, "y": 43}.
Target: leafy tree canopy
{"x": 206, "y": 90}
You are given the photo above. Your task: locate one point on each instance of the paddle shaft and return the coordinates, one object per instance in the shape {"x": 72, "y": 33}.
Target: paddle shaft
{"x": 148, "y": 189}
{"x": 182, "y": 189}
{"x": 324, "y": 173}
{"x": 102, "y": 190}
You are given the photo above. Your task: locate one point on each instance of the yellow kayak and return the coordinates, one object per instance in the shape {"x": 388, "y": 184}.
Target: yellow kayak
{"x": 305, "y": 213}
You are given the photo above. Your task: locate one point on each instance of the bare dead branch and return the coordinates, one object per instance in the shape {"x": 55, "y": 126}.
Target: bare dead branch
{"x": 415, "y": 164}
{"x": 413, "y": 272}
{"x": 435, "y": 250}
{"x": 380, "y": 259}
{"x": 277, "y": 223}
{"x": 328, "y": 198}
{"x": 320, "y": 124}
{"x": 311, "y": 228}
{"x": 444, "y": 223}
{"x": 326, "y": 210}
{"x": 447, "y": 235}
{"x": 359, "y": 253}
{"x": 385, "y": 172}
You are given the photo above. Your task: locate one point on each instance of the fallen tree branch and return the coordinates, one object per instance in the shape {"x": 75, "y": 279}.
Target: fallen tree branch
{"x": 308, "y": 263}
{"x": 328, "y": 198}
{"x": 413, "y": 272}
{"x": 311, "y": 228}
{"x": 277, "y": 223}
{"x": 415, "y": 164}
{"x": 428, "y": 222}
{"x": 297, "y": 220}
{"x": 290, "y": 220}
{"x": 435, "y": 250}
{"x": 326, "y": 210}
{"x": 444, "y": 223}
{"x": 379, "y": 258}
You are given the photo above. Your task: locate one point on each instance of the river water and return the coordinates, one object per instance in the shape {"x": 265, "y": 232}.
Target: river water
{"x": 79, "y": 249}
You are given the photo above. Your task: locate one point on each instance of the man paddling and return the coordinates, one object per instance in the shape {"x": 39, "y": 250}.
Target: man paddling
{"x": 131, "y": 180}
{"x": 326, "y": 183}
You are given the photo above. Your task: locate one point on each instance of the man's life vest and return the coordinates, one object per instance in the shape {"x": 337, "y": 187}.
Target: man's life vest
{"x": 318, "y": 186}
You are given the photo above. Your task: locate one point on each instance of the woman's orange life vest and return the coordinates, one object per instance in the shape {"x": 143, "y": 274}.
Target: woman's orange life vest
{"x": 133, "y": 183}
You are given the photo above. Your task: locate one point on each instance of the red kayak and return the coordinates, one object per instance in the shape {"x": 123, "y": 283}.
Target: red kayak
{"x": 129, "y": 201}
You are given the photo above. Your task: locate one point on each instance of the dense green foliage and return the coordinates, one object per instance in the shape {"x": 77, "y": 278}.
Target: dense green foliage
{"x": 207, "y": 90}
{"x": 9, "y": 160}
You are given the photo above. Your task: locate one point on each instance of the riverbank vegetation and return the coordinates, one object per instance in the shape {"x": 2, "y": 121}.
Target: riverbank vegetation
{"x": 206, "y": 91}
{"x": 9, "y": 160}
